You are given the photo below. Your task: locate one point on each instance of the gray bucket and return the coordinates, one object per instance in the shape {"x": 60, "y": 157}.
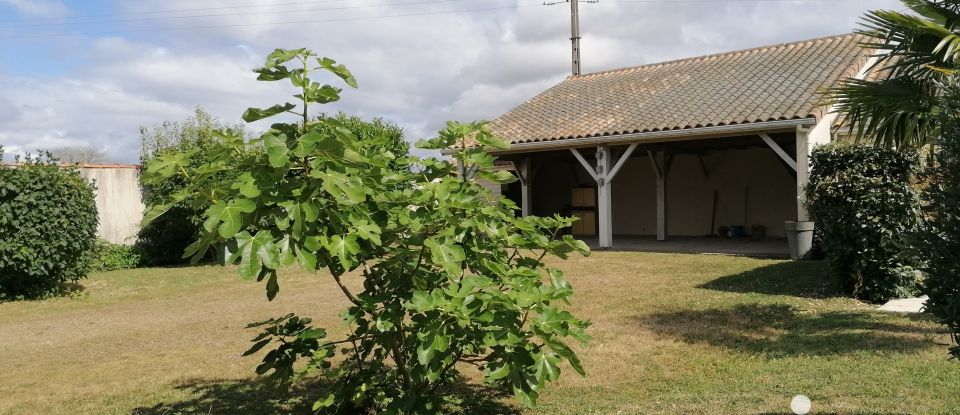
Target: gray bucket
{"x": 799, "y": 238}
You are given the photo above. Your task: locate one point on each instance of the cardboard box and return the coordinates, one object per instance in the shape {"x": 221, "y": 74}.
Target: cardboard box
{"x": 584, "y": 197}
{"x": 586, "y": 225}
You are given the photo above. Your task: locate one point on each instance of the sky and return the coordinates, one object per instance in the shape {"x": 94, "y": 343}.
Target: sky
{"x": 78, "y": 73}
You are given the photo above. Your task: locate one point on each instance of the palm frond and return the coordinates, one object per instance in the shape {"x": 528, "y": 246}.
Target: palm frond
{"x": 943, "y": 12}
{"x": 907, "y": 45}
{"x": 895, "y": 112}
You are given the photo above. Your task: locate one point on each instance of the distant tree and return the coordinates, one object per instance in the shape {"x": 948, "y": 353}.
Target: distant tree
{"x": 163, "y": 240}
{"x": 79, "y": 154}
{"x": 375, "y": 129}
{"x": 166, "y": 136}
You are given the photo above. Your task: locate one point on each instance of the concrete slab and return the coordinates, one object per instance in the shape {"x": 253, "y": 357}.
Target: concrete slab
{"x": 905, "y": 305}
{"x": 755, "y": 247}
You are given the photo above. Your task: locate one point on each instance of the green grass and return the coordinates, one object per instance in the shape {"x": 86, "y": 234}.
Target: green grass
{"x": 672, "y": 334}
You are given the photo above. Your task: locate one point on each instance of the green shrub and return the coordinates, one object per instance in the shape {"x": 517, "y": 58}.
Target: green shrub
{"x": 162, "y": 241}
{"x": 107, "y": 256}
{"x": 48, "y": 224}
{"x": 436, "y": 277}
{"x": 942, "y": 235}
{"x": 389, "y": 135}
{"x": 864, "y": 202}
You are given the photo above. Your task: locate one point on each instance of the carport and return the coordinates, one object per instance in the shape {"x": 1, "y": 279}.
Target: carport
{"x": 685, "y": 149}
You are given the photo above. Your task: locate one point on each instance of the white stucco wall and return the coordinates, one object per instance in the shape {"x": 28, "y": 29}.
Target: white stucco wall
{"x": 119, "y": 202}
{"x": 822, "y": 133}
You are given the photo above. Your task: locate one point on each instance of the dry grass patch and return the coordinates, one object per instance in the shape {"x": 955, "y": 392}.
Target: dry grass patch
{"x": 673, "y": 334}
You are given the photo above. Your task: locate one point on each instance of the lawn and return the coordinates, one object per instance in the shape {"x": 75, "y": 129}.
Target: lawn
{"x": 672, "y": 334}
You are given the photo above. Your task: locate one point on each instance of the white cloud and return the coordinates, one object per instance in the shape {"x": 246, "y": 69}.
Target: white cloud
{"x": 37, "y": 8}
{"x": 80, "y": 112}
{"x": 416, "y": 71}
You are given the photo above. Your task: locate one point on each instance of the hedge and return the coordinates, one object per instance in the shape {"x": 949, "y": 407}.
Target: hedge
{"x": 942, "y": 235}
{"x": 107, "y": 256}
{"x": 48, "y": 224}
{"x": 866, "y": 206}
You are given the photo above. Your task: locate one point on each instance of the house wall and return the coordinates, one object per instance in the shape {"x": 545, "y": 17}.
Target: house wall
{"x": 770, "y": 202}
{"x": 822, "y": 133}
{"x": 119, "y": 202}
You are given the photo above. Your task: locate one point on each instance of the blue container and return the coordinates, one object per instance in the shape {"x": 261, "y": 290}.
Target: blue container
{"x": 736, "y": 231}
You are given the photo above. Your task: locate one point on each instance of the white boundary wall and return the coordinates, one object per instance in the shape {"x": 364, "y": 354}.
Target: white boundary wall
{"x": 119, "y": 200}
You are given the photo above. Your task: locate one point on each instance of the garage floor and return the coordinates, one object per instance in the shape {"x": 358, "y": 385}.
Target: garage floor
{"x": 754, "y": 247}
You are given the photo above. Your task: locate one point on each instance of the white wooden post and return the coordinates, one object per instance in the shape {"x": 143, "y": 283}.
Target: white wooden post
{"x": 603, "y": 174}
{"x": 523, "y": 170}
{"x": 803, "y": 172}
{"x": 661, "y": 169}
{"x": 605, "y": 204}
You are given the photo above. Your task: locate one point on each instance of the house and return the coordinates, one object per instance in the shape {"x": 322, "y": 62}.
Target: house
{"x": 680, "y": 148}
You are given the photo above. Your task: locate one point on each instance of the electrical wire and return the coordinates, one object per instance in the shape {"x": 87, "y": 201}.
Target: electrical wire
{"x": 225, "y": 26}
{"x": 162, "y": 18}
{"x": 300, "y": 3}
{"x": 342, "y": 19}
{"x": 239, "y": 6}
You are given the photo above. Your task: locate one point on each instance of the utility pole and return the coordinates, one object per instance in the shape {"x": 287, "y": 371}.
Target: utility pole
{"x": 574, "y": 30}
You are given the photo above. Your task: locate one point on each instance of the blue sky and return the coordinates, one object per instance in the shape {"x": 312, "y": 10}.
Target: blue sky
{"x": 76, "y": 73}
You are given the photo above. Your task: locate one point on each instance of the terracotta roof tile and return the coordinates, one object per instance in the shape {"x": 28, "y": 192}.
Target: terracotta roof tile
{"x": 764, "y": 84}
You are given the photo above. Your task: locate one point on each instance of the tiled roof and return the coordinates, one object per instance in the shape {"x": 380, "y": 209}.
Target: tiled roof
{"x": 764, "y": 84}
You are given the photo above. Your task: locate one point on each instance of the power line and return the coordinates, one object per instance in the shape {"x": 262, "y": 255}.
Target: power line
{"x": 224, "y": 26}
{"x": 300, "y": 3}
{"x": 161, "y": 18}
{"x": 83, "y": 16}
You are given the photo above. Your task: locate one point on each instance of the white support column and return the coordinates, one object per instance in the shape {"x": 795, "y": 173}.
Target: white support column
{"x": 605, "y": 204}
{"x": 661, "y": 168}
{"x": 603, "y": 174}
{"x": 803, "y": 172}
{"x": 526, "y": 197}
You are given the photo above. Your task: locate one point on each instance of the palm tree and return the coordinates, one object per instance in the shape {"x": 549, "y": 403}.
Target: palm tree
{"x": 897, "y": 104}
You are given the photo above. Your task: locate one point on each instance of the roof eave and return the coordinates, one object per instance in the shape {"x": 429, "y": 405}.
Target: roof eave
{"x": 656, "y": 136}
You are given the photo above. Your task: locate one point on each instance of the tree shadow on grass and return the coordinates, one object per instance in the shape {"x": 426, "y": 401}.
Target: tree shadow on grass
{"x": 778, "y": 330}
{"x": 69, "y": 289}
{"x": 807, "y": 279}
{"x": 221, "y": 396}
{"x": 838, "y": 413}
{"x": 256, "y": 397}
